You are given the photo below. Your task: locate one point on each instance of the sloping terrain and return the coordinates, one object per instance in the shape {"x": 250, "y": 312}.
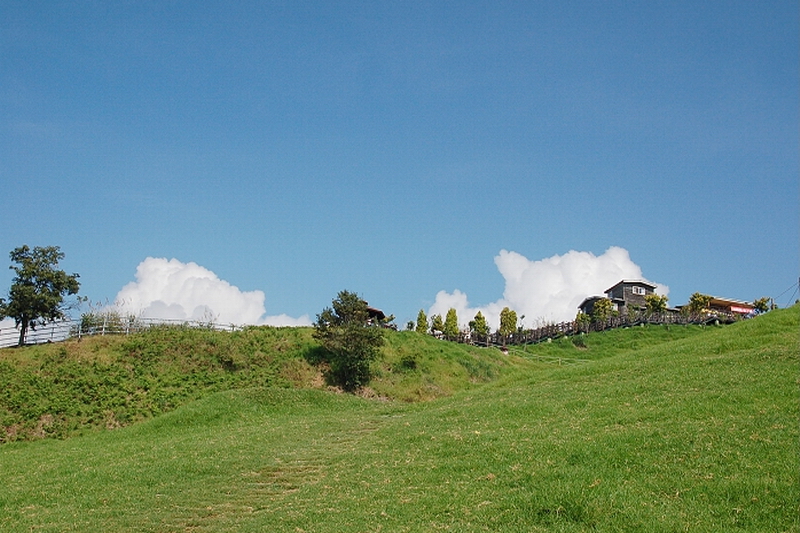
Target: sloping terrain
{"x": 635, "y": 430}
{"x": 61, "y": 389}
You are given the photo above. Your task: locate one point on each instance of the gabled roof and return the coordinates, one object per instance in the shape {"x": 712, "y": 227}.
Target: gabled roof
{"x": 633, "y": 282}
{"x": 590, "y": 299}
{"x": 375, "y": 313}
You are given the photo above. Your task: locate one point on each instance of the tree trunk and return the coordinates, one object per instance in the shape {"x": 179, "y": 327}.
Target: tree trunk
{"x": 23, "y": 329}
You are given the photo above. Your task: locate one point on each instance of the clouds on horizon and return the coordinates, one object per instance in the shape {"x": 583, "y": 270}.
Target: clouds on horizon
{"x": 170, "y": 289}
{"x": 548, "y": 290}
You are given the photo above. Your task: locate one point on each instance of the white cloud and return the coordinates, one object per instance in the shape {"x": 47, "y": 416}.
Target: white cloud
{"x": 171, "y": 289}
{"x": 548, "y": 290}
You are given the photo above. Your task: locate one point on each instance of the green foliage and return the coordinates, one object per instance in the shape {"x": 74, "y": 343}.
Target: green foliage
{"x": 508, "y": 322}
{"x": 698, "y": 303}
{"x": 437, "y": 324}
{"x": 110, "y": 321}
{"x": 583, "y": 321}
{"x": 37, "y": 291}
{"x": 762, "y": 305}
{"x": 602, "y": 310}
{"x": 479, "y": 326}
{"x": 408, "y": 361}
{"x": 422, "y": 322}
{"x": 579, "y": 341}
{"x": 655, "y": 303}
{"x": 451, "y": 324}
{"x": 351, "y": 342}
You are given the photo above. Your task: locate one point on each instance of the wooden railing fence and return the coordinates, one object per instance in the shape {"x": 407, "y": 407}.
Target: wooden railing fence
{"x": 114, "y": 325}
{"x": 574, "y": 327}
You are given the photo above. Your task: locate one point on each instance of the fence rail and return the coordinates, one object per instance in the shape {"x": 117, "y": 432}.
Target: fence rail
{"x": 67, "y": 329}
{"x": 571, "y": 328}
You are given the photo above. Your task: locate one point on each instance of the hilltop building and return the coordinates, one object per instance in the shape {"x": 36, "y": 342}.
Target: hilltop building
{"x": 624, "y": 294}
{"x": 729, "y": 307}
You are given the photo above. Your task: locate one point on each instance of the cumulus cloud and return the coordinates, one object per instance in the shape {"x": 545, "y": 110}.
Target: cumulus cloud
{"x": 170, "y": 289}
{"x": 548, "y": 290}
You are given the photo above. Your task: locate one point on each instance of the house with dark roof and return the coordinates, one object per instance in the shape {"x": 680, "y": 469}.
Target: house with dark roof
{"x": 376, "y": 317}
{"x": 375, "y": 314}
{"x": 587, "y": 305}
{"x": 630, "y": 293}
{"x": 626, "y": 293}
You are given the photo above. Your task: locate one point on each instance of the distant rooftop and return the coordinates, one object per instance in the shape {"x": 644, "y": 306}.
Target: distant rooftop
{"x": 632, "y": 282}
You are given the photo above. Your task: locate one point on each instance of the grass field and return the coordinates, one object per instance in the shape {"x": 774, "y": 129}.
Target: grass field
{"x": 648, "y": 429}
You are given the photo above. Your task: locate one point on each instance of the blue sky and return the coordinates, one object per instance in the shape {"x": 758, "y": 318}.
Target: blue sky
{"x": 396, "y": 149}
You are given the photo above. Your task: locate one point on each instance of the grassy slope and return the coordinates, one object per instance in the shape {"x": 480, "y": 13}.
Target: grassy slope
{"x": 698, "y": 432}
{"x": 59, "y": 390}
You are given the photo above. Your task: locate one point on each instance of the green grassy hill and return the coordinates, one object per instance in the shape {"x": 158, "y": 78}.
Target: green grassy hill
{"x": 647, "y": 429}
{"x": 63, "y": 389}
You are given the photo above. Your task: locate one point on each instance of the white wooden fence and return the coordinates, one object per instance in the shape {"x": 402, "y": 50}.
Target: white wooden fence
{"x": 69, "y": 328}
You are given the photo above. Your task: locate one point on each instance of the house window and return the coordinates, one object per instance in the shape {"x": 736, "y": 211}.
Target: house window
{"x": 637, "y": 290}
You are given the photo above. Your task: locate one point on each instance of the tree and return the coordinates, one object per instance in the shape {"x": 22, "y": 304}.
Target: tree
{"x": 655, "y": 303}
{"x": 38, "y": 290}
{"x": 422, "y": 322}
{"x": 479, "y": 326}
{"x": 508, "y": 322}
{"x": 451, "y": 324}
{"x": 762, "y": 305}
{"x": 583, "y": 321}
{"x": 698, "y": 303}
{"x": 345, "y": 333}
{"x": 437, "y": 324}
{"x": 601, "y": 310}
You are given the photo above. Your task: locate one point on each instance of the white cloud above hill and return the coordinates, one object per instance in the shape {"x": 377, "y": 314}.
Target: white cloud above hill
{"x": 548, "y": 290}
{"x": 170, "y": 289}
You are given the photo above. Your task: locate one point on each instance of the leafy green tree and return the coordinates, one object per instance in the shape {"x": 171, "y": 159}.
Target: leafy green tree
{"x": 655, "y": 303}
{"x": 698, "y": 303}
{"x": 37, "y": 292}
{"x": 583, "y": 321}
{"x": 602, "y": 310}
{"x": 762, "y": 305}
{"x": 451, "y": 324}
{"x": 479, "y": 326}
{"x": 422, "y": 322}
{"x": 345, "y": 333}
{"x": 437, "y": 324}
{"x": 508, "y": 322}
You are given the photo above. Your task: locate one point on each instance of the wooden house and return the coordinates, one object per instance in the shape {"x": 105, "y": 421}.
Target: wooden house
{"x": 624, "y": 294}
{"x": 630, "y": 293}
{"x": 587, "y": 305}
